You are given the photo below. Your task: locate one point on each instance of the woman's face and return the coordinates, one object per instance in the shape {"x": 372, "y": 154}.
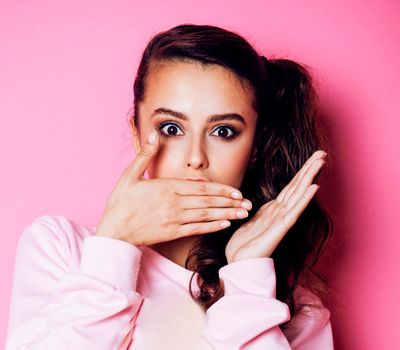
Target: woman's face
{"x": 205, "y": 120}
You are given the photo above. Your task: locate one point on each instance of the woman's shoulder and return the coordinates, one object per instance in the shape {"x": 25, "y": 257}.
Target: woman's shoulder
{"x": 60, "y": 238}
{"x": 311, "y": 321}
{"x": 56, "y": 234}
{"x": 310, "y": 305}
{"x": 58, "y": 226}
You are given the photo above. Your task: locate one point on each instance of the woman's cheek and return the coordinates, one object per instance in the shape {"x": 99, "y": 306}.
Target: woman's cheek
{"x": 231, "y": 168}
{"x": 166, "y": 164}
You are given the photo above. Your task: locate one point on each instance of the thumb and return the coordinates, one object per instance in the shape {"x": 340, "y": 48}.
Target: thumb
{"x": 146, "y": 153}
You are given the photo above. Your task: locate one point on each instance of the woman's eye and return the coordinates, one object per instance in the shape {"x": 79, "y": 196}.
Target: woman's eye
{"x": 223, "y": 132}
{"x": 169, "y": 131}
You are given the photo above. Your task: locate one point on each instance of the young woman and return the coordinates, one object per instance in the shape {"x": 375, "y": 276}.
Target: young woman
{"x": 215, "y": 248}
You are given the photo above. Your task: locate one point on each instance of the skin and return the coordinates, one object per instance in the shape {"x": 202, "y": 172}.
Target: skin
{"x": 200, "y": 148}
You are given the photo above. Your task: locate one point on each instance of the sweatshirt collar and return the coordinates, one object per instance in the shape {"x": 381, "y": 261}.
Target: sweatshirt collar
{"x": 176, "y": 272}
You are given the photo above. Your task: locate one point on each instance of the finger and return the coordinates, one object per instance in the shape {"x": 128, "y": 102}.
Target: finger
{"x": 295, "y": 211}
{"x": 210, "y": 214}
{"x": 287, "y": 191}
{"x": 201, "y": 227}
{"x": 142, "y": 160}
{"x": 304, "y": 171}
{"x": 192, "y": 202}
{"x": 304, "y": 183}
{"x": 205, "y": 188}
{"x": 283, "y": 194}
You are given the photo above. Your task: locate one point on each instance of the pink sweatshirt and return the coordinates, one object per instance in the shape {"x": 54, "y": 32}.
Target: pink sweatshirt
{"x": 74, "y": 290}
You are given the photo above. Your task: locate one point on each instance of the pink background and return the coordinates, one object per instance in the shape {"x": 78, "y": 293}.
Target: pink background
{"x": 66, "y": 76}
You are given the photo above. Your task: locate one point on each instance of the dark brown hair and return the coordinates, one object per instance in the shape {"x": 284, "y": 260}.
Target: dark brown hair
{"x": 287, "y": 134}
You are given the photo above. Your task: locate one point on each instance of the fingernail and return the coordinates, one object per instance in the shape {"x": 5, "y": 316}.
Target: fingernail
{"x": 236, "y": 195}
{"x": 246, "y": 205}
{"x": 242, "y": 213}
{"x": 152, "y": 137}
{"x": 225, "y": 223}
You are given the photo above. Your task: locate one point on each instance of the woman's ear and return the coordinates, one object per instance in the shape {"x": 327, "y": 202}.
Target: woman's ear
{"x": 135, "y": 135}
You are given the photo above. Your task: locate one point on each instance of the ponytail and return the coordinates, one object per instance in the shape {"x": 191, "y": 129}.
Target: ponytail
{"x": 288, "y": 134}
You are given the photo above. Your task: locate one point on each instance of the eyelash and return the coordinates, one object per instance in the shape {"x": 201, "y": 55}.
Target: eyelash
{"x": 235, "y": 132}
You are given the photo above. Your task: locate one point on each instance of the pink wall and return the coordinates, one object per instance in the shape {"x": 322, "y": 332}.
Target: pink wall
{"x": 66, "y": 77}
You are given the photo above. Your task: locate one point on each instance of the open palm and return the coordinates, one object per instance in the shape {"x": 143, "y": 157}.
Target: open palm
{"x": 262, "y": 233}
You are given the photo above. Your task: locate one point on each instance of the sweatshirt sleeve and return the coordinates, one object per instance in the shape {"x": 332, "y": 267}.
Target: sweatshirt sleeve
{"x": 248, "y": 316}
{"x": 55, "y": 306}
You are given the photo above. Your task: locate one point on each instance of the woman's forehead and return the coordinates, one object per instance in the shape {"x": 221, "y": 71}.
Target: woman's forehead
{"x": 190, "y": 83}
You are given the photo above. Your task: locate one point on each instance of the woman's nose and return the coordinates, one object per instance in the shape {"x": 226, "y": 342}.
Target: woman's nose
{"x": 196, "y": 156}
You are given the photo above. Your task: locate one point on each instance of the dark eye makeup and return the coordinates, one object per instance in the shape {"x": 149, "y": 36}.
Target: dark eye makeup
{"x": 164, "y": 132}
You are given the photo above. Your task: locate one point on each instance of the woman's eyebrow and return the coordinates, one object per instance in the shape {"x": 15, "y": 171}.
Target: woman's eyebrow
{"x": 211, "y": 119}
